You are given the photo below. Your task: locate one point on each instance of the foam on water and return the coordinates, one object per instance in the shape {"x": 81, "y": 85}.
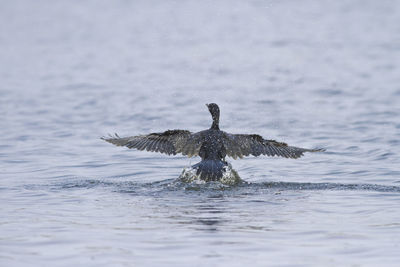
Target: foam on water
{"x": 229, "y": 177}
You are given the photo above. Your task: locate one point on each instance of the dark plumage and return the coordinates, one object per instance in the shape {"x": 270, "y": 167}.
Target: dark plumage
{"x": 212, "y": 145}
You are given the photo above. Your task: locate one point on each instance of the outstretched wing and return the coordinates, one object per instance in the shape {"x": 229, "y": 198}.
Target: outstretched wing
{"x": 169, "y": 142}
{"x": 240, "y": 145}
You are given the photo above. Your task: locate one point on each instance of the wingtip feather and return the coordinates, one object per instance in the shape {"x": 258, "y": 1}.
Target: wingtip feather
{"x": 318, "y": 150}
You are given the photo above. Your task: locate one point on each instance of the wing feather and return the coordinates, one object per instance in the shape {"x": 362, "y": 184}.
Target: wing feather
{"x": 168, "y": 142}
{"x": 240, "y": 145}
{"x": 189, "y": 144}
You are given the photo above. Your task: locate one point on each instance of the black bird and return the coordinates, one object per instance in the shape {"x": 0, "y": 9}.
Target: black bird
{"x": 212, "y": 145}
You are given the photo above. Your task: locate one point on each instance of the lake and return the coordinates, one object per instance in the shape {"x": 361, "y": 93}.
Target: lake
{"x": 308, "y": 73}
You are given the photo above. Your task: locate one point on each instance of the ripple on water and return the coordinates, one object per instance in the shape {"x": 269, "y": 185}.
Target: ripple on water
{"x": 184, "y": 185}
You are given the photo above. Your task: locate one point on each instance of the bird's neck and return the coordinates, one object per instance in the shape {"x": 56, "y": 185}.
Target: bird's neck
{"x": 215, "y": 124}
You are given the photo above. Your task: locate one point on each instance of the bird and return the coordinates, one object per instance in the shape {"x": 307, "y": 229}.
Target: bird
{"x": 211, "y": 145}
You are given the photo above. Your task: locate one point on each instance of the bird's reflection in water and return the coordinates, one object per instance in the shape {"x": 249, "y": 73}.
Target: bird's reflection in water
{"x": 208, "y": 223}
{"x": 209, "y": 214}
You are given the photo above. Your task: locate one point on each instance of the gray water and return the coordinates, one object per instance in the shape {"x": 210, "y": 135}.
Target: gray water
{"x": 309, "y": 73}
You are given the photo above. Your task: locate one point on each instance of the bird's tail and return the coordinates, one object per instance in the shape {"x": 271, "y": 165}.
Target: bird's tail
{"x": 210, "y": 170}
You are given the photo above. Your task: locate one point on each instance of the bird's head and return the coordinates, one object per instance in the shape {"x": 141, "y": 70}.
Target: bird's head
{"x": 214, "y": 109}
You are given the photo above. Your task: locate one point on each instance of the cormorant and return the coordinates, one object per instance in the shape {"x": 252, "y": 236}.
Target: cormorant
{"x": 212, "y": 145}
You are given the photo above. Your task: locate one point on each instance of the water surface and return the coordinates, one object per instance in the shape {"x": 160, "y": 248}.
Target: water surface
{"x": 309, "y": 73}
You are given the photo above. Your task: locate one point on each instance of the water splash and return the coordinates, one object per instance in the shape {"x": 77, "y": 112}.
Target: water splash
{"x": 229, "y": 177}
